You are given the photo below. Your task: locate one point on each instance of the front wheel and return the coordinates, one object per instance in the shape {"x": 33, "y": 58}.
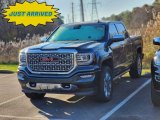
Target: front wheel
{"x": 155, "y": 96}
{"x": 35, "y": 95}
{"x": 136, "y": 68}
{"x": 105, "y": 89}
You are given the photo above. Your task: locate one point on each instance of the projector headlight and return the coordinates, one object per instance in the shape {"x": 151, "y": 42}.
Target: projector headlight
{"x": 157, "y": 60}
{"x": 22, "y": 59}
{"x": 85, "y": 58}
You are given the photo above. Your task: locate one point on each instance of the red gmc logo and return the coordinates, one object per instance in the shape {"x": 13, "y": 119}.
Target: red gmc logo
{"x": 48, "y": 59}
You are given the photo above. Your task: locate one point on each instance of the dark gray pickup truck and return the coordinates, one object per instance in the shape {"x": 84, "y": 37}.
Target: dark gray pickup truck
{"x": 80, "y": 59}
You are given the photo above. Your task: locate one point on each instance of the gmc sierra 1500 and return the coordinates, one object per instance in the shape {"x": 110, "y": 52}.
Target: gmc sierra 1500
{"x": 80, "y": 59}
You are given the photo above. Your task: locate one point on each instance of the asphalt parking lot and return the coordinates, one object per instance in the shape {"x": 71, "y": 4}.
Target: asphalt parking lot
{"x": 131, "y": 101}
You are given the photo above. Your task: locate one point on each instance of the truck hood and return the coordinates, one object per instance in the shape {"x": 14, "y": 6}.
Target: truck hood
{"x": 63, "y": 45}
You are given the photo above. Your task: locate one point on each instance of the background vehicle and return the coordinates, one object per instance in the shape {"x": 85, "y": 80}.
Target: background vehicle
{"x": 155, "y": 70}
{"x": 81, "y": 59}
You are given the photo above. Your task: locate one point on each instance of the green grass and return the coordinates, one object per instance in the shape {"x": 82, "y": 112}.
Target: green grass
{"x": 144, "y": 71}
{"x": 10, "y": 67}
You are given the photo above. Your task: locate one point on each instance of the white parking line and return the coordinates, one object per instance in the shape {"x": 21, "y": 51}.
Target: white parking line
{"x": 116, "y": 108}
{"x": 15, "y": 117}
{"x": 13, "y": 99}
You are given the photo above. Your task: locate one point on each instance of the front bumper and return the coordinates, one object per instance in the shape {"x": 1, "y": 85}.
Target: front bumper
{"x": 155, "y": 72}
{"x": 82, "y": 81}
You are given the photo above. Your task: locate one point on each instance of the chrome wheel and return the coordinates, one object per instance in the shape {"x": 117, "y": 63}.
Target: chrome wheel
{"x": 104, "y": 86}
{"x": 107, "y": 85}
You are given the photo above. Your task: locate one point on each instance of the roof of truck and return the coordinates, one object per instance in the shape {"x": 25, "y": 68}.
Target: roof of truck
{"x": 92, "y": 22}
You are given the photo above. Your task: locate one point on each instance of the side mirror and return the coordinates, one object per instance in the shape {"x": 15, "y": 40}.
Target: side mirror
{"x": 156, "y": 41}
{"x": 117, "y": 38}
{"x": 44, "y": 39}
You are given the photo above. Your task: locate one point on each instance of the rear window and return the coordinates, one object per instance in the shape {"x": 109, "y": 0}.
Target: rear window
{"x": 121, "y": 29}
{"x": 112, "y": 30}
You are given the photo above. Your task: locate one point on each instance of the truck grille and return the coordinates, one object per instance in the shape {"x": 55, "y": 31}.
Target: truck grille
{"x": 50, "y": 62}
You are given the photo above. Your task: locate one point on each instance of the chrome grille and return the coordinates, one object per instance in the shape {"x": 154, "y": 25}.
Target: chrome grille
{"x": 53, "y": 62}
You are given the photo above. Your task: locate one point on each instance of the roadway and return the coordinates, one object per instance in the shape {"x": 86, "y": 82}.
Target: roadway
{"x": 131, "y": 101}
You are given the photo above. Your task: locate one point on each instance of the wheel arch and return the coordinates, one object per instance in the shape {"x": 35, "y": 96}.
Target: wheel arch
{"x": 139, "y": 50}
{"x": 107, "y": 62}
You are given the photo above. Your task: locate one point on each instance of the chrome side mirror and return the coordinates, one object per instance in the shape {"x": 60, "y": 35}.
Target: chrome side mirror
{"x": 117, "y": 38}
{"x": 156, "y": 41}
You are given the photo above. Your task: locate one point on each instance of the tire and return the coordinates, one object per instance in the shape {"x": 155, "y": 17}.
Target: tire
{"x": 35, "y": 95}
{"x": 105, "y": 87}
{"x": 136, "y": 68}
{"x": 155, "y": 96}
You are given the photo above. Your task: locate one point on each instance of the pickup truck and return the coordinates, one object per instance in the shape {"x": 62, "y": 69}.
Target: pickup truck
{"x": 155, "y": 72}
{"x": 81, "y": 59}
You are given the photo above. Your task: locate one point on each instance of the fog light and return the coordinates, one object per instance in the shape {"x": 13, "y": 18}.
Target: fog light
{"x": 157, "y": 78}
{"x": 32, "y": 84}
{"x": 86, "y": 76}
{"x": 66, "y": 86}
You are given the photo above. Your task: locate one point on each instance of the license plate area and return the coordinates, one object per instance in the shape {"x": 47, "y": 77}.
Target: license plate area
{"x": 45, "y": 86}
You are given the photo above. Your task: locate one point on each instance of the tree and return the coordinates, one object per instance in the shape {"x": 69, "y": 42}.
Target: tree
{"x": 138, "y": 16}
{"x": 157, "y": 2}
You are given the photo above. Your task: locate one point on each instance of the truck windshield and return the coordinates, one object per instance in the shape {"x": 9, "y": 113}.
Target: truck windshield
{"x": 78, "y": 33}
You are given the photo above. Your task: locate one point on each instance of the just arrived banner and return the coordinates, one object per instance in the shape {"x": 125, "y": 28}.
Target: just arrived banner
{"x": 31, "y": 13}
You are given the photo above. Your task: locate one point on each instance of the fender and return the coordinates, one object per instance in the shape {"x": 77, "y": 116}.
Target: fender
{"x": 107, "y": 55}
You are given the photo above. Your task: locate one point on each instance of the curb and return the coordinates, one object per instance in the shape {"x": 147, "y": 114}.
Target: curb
{"x": 6, "y": 72}
{"x": 147, "y": 75}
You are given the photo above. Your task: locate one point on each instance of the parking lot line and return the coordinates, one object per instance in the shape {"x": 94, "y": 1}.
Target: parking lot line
{"x": 16, "y": 117}
{"x": 13, "y": 99}
{"x": 116, "y": 108}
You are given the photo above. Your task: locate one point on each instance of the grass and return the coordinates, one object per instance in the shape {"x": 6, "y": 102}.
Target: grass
{"x": 144, "y": 71}
{"x": 9, "y": 67}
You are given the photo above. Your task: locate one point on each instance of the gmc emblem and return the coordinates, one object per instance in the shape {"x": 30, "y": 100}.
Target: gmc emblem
{"x": 48, "y": 59}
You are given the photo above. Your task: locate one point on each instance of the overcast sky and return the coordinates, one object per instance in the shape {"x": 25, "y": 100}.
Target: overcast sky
{"x": 105, "y": 8}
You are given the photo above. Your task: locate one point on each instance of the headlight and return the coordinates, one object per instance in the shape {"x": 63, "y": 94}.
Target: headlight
{"x": 85, "y": 58}
{"x": 157, "y": 60}
{"x": 22, "y": 59}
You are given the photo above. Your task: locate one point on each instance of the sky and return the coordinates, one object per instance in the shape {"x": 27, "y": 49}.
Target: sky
{"x": 105, "y": 7}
